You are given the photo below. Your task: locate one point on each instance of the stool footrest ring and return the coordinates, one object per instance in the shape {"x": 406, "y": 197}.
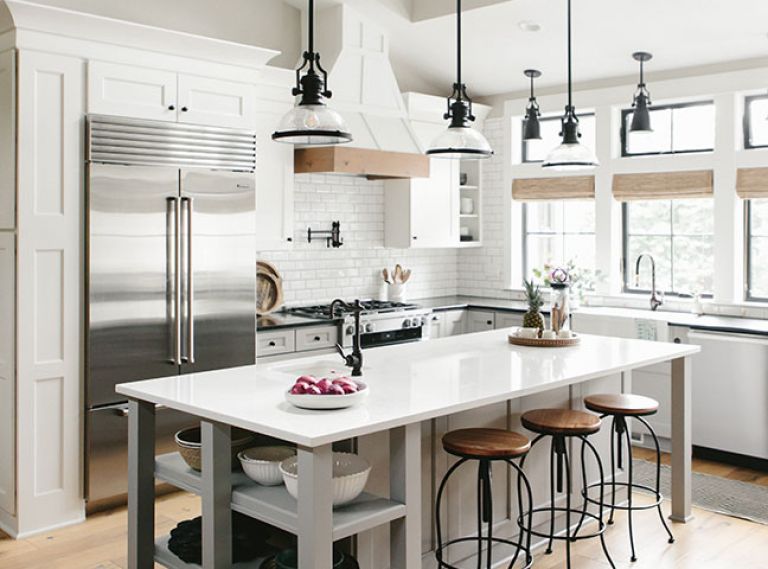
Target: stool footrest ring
{"x": 576, "y": 513}
{"x": 635, "y": 507}
{"x": 527, "y": 558}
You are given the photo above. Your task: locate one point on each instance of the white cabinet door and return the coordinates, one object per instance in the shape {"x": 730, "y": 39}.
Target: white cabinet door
{"x": 436, "y": 325}
{"x": 8, "y": 140}
{"x": 435, "y": 206}
{"x": 454, "y": 322}
{"x": 508, "y": 319}
{"x": 480, "y": 321}
{"x": 274, "y": 187}
{"x": 129, "y": 91}
{"x": 213, "y": 102}
{"x": 7, "y": 376}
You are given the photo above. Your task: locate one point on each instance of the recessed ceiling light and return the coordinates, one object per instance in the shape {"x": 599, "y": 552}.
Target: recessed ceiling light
{"x": 529, "y": 26}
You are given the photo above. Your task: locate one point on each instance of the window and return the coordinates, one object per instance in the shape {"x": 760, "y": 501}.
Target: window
{"x": 537, "y": 150}
{"x": 557, "y": 232}
{"x": 679, "y": 236}
{"x": 756, "y": 121}
{"x": 756, "y": 214}
{"x": 677, "y": 129}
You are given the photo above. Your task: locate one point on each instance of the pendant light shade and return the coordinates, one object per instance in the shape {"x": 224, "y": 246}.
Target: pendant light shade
{"x": 531, "y": 126}
{"x": 571, "y": 154}
{"x": 460, "y": 140}
{"x": 311, "y": 122}
{"x": 641, "y": 117}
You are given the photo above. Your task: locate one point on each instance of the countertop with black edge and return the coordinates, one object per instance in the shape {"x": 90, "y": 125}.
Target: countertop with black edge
{"x": 278, "y": 320}
{"x": 708, "y": 322}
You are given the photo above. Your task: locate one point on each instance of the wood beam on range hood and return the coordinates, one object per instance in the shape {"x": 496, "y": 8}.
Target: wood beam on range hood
{"x": 373, "y": 164}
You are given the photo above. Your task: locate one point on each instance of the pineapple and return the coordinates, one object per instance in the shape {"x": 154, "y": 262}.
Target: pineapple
{"x": 533, "y": 318}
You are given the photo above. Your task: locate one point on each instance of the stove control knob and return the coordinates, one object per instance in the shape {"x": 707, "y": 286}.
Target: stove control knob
{"x": 423, "y": 320}
{"x": 369, "y": 327}
{"x": 407, "y": 323}
{"x": 350, "y": 331}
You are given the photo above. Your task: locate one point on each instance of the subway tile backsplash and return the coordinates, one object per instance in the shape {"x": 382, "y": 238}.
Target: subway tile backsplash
{"x": 313, "y": 273}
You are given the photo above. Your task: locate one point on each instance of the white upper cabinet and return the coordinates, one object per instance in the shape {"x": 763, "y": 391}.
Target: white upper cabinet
{"x": 202, "y": 100}
{"x": 129, "y": 91}
{"x": 142, "y": 93}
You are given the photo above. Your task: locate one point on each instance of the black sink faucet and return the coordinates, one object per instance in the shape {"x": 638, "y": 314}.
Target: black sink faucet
{"x": 657, "y": 298}
{"x": 355, "y": 359}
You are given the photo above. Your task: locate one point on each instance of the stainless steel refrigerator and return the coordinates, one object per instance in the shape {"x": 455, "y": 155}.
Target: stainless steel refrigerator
{"x": 170, "y": 271}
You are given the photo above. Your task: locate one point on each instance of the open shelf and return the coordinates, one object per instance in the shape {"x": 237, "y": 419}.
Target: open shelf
{"x": 164, "y": 557}
{"x": 275, "y": 506}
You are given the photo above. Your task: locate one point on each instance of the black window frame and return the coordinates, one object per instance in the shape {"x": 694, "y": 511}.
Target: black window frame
{"x": 625, "y": 138}
{"x": 625, "y": 260}
{"x": 523, "y": 157}
{"x": 746, "y": 121}
{"x": 748, "y": 296}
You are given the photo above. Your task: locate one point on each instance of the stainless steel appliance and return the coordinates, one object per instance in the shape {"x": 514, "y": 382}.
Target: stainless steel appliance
{"x": 170, "y": 271}
{"x": 382, "y": 322}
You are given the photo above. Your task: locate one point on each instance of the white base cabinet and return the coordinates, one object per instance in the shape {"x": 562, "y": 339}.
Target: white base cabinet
{"x": 447, "y": 323}
{"x": 480, "y": 321}
{"x": 7, "y": 373}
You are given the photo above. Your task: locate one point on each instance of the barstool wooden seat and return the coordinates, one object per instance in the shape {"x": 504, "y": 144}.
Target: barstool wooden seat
{"x": 621, "y": 403}
{"x": 621, "y": 408}
{"x": 565, "y": 422}
{"x": 559, "y": 425}
{"x": 486, "y": 443}
{"x": 482, "y": 447}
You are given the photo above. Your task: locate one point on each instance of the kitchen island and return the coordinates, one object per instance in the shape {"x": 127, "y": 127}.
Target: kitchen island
{"x": 409, "y": 384}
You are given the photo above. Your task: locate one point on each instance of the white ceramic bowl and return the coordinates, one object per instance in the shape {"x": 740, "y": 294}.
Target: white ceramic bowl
{"x": 350, "y": 473}
{"x": 328, "y": 401}
{"x": 262, "y": 464}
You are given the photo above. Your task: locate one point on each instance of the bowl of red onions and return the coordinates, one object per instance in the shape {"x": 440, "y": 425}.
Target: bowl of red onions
{"x": 308, "y": 392}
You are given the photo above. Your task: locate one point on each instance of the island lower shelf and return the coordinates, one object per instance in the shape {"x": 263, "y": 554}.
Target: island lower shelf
{"x": 273, "y": 504}
{"x": 167, "y": 559}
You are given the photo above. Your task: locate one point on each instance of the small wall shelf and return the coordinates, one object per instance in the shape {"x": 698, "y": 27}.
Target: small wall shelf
{"x": 470, "y": 173}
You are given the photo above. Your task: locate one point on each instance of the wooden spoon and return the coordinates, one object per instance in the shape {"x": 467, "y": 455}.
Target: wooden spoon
{"x": 385, "y": 274}
{"x": 398, "y": 273}
{"x": 406, "y": 275}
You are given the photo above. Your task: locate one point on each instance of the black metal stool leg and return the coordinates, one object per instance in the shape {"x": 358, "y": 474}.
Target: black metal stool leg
{"x": 568, "y": 489}
{"x": 658, "y": 478}
{"x": 602, "y": 499}
{"x": 613, "y": 470}
{"x": 551, "y": 496}
{"x": 487, "y": 514}
{"x": 585, "y": 490}
{"x": 633, "y": 558}
{"x": 522, "y": 477}
{"x": 438, "y": 500}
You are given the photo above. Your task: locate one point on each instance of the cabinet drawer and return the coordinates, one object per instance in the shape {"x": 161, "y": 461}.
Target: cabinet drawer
{"x": 316, "y": 337}
{"x": 128, "y": 91}
{"x": 279, "y": 342}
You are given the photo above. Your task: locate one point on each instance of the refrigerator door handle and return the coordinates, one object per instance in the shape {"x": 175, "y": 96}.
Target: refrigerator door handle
{"x": 174, "y": 257}
{"x": 186, "y": 205}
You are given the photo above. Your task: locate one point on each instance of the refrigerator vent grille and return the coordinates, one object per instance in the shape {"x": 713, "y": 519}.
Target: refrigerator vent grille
{"x": 116, "y": 140}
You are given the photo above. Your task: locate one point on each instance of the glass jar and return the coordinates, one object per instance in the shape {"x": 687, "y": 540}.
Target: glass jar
{"x": 560, "y": 307}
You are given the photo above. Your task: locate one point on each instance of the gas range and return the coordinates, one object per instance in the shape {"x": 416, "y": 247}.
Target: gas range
{"x": 381, "y": 323}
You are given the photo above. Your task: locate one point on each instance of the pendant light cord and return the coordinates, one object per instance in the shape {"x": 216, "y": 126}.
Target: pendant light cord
{"x": 311, "y": 34}
{"x": 570, "y": 81}
{"x": 458, "y": 42}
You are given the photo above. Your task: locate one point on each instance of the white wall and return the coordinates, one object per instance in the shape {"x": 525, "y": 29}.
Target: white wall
{"x": 483, "y": 269}
{"x": 312, "y": 273}
{"x": 263, "y": 23}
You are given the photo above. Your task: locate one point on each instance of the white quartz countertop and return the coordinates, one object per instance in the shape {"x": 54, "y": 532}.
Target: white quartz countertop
{"x": 408, "y": 383}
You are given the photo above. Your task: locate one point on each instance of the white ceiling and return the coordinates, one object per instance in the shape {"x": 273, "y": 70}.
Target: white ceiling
{"x": 680, "y": 33}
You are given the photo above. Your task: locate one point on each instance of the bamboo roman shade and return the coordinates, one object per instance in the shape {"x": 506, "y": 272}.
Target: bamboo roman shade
{"x": 560, "y": 188}
{"x": 663, "y": 185}
{"x": 752, "y": 183}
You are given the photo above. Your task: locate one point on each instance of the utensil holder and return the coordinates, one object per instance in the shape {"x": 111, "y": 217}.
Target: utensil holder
{"x": 396, "y": 292}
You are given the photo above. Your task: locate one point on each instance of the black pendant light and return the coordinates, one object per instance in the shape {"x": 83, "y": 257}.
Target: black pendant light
{"x": 460, "y": 140}
{"x": 641, "y": 118}
{"x": 571, "y": 154}
{"x": 531, "y": 126}
{"x": 311, "y": 122}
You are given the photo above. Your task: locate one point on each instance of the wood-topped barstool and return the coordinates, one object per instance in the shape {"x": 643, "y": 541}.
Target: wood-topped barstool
{"x": 485, "y": 446}
{"x": 561, "y": 425}
{"x": 622, "y": 407}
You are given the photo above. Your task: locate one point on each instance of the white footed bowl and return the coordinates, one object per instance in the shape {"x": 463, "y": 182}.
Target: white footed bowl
{"x": 262, "y": 464}
{"x": 350, "y": 473}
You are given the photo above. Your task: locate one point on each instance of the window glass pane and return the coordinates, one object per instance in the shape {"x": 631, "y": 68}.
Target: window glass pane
{"x": 660, "y": 140}
{"x": 544, "y": 217}
{"x": 537, "y": 150}
{"x": 693, "y": 257}
{"x": 759, "y": 217}
{"x": 649, "y": 217}
{"x": 543, "y": 249}
{"x": 693, "y": 217}
{"x": 660, "y": 248}
{"x": 758, "y": 122}
{"x": 693, "y": 128}
{"x": 580, "y": 249}
{"x": 579, "y": 216}
{"x": 758, "y": 277}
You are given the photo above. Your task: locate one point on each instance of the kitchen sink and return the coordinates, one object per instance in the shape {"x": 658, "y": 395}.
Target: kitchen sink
{"x": 322, "y": 368}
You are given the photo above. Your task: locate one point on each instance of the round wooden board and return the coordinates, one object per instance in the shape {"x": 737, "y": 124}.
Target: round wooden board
{"x": 269, "y": 293}
{"x": 542, "y": 343}
{"x": 267, "y": 267}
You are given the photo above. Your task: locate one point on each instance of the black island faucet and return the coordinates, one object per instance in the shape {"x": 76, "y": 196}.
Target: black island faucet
{"x": 355, "y": 359}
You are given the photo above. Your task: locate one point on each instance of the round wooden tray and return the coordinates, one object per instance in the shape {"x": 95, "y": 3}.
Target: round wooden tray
{"x": 575, "y": 340}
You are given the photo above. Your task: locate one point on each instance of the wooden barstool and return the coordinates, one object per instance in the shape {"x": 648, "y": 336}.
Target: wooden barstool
{"x": 622, "y": 407}
{"x": 485, "y": 446}
{"x": 560, "y": 425}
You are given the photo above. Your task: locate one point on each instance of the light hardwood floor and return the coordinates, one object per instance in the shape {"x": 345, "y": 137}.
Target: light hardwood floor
{"x": 710, "y": 541}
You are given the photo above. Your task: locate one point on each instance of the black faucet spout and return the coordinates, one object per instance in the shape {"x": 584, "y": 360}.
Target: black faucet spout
{"x": 354, "y": 359}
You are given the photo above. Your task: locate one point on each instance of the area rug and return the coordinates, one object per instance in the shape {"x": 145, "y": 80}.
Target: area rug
{"x": 713, "y": 493}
